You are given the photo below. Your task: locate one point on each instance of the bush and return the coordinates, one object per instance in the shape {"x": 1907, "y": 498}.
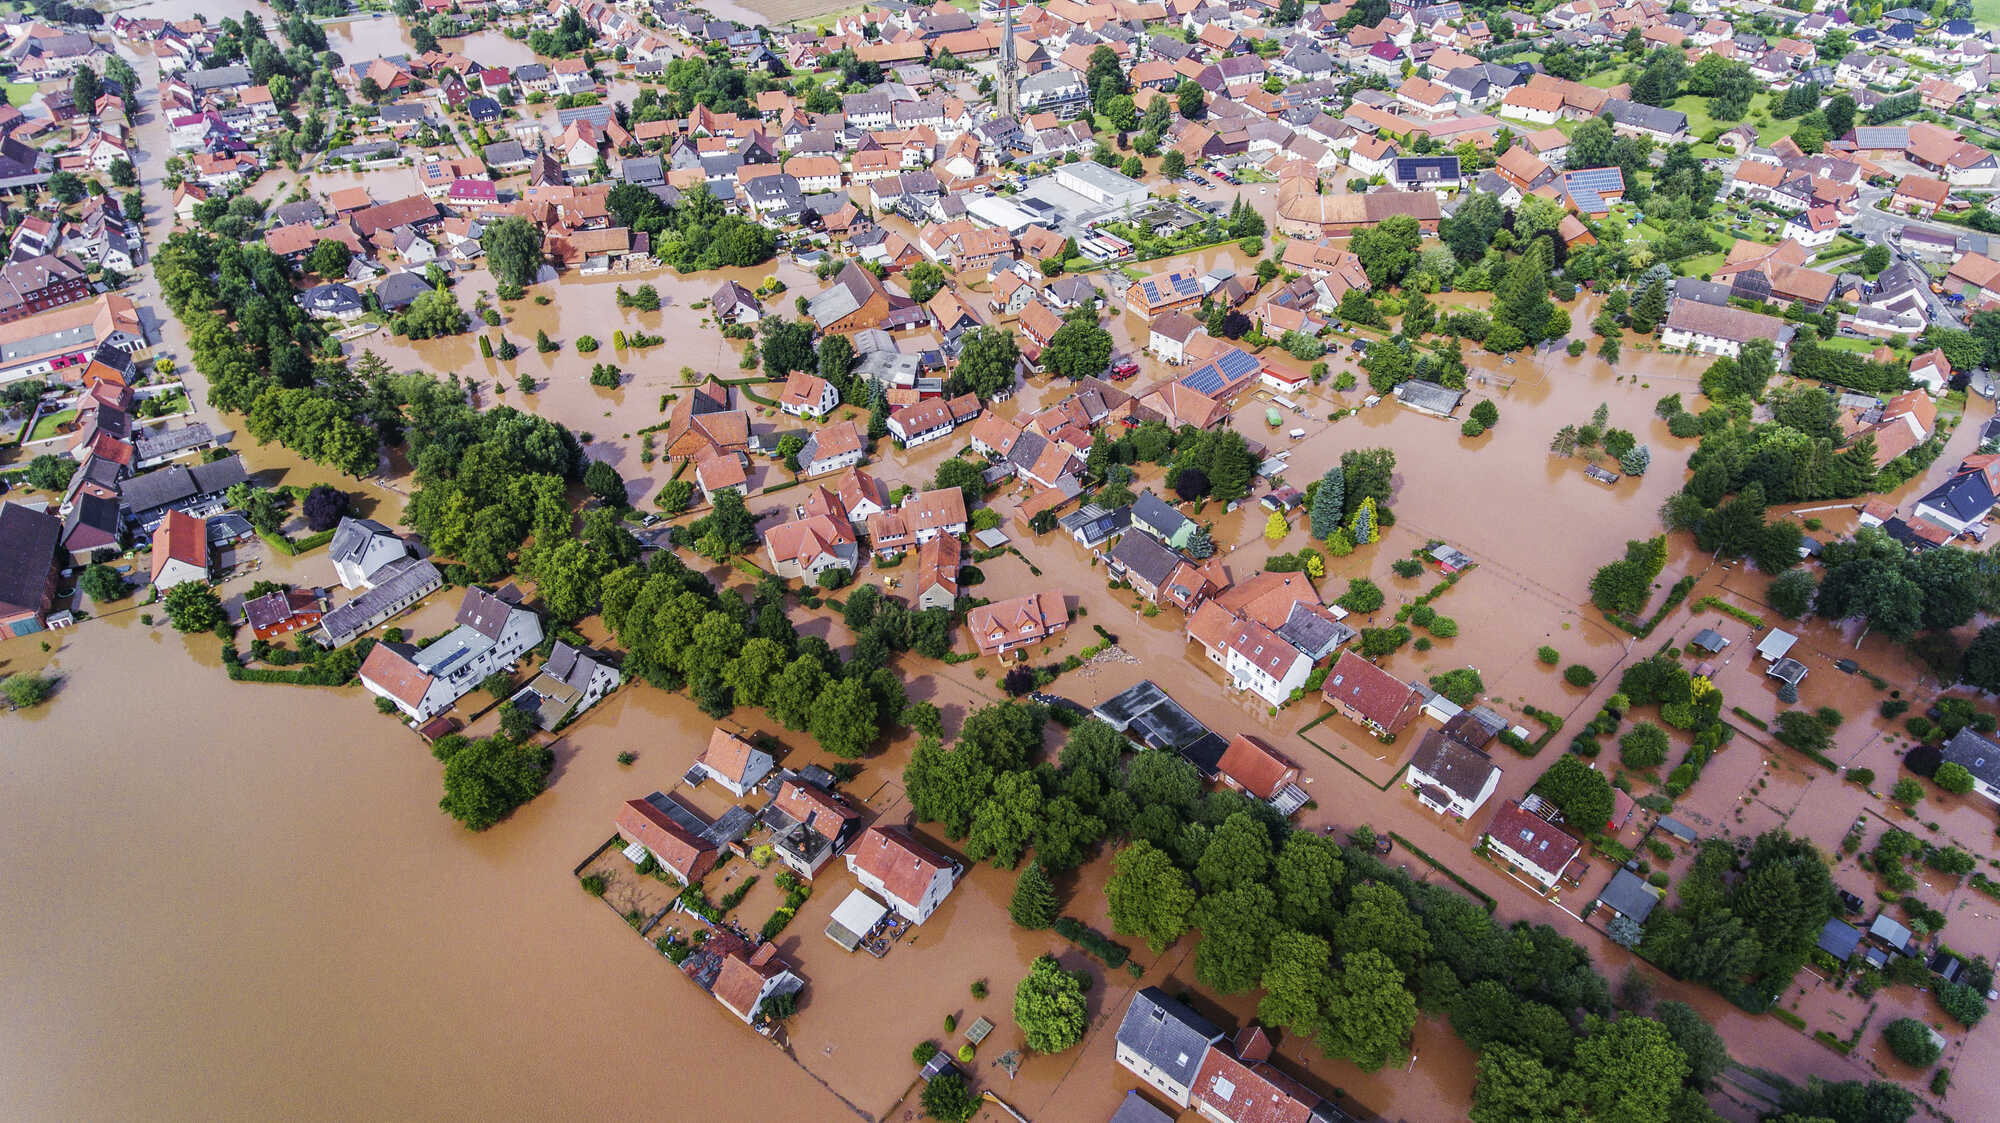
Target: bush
{"x": 1549, "y": 656}
{"x": 1912, "y": 1042}
{"x": 1644, "y": 747}
{"x": 1907, "y": 792}
{"x": 595, "y": 884}
{"x": 1863, "y": 776}
{"x": 1576, "y": 674}
{"x": 585, "y": 344}
{"x": 1954, "y": 778}
{"x": 1407, "y": 567}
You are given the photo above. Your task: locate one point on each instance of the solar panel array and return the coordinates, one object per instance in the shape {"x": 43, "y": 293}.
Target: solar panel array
{"x": 1222, "y": 373}
{"x": 1600, "y": 180}
{"x": 1179, "y": 284}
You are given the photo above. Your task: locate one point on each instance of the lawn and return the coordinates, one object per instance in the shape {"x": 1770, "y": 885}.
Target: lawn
{"x": 20, "y": 93}
{"x": 46, "y": 427}
{"x": 1699, "y": 121}
{"x": 1986, "y": 13}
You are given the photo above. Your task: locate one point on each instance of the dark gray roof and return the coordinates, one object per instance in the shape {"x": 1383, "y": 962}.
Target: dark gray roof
{"x": 220, "y": 78}
{"x": 1313, "y": 633}
{"x": 1135, "y": 1108}
{"x": 1965, "y": 497}
{"x": 484, "y": 613}
{"x": 1975, "y": 754}
{"x": 1157, "y": 513}
{"x": 170, "y": 485}
{"x": 1629, "y": 895}
{"x": 1642, "y": 116}
{"x": 1890, "y": 931}
{"x": 399, "y": 289}
{"x": 401, "y": 582}
{"x": 1463, "y": 771}
{"x": 504, "y": 152}
{"x": 1839, "y": 939}
{"x": 1144, "y": 555}
{"x": 1167, "y": 1035}
{"x": 28, "y": 541}
{"x": 1144, "y": 712}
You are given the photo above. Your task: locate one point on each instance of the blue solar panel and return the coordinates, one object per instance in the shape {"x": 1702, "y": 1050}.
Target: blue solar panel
{"x": 1595, "y": 179}
{"x": 1589, "y": 202}
{"x": 1205, "y": 379}
{"x": 1237, "y": 363}
{"x": 1185, "y": 284}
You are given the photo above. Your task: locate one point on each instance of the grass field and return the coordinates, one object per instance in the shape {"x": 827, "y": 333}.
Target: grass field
{"x": 46, "y": 427}
{"x": 19, "y": 93}
{"x": 1986, "y": 13}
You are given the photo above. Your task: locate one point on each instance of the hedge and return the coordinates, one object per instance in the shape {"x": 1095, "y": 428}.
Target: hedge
{"x": 1090, "y": 940}
{"x": 1485, "y": 900}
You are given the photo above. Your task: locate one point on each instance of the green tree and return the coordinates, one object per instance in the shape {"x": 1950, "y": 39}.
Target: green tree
{"x": 836, "y": 359}
{"x": 1522, "y": 300}
{"x": 946, "y": 1097}
{"x": 1049, "y": 1007}
{"x": 1308, "y": 873}
{"x": 485, "y": 780}
{"x": 1644, "y": 747}
{"x": 1237, "y": 927}
{"x": 924, "y": 279}
{"x": 1173, "y": 165}
{"x": 1912, "y": 1042}
{"x": 1079, "y": 348}
{"x": 1295, "y": 983}
{"x": 193, "y": 607}
{"x": 1239, "y": 853}
{"x": 513, "y": 250}
{"x": 787, "y": 346}
{"x": 1034, "y": 904}
{"x": 986, "y": 361}
{"x": 793, "y": 695}
{"x": 1580, "y": 791}
{"x": 1006, "y": 821}
{"x": 1515, "y": 1087}
{"x": 1630, "y": 1069}
{"x": 603, "y": 481}
{"x": 329, "y": 259}
{"x": 946, "y": 785}
{"x": 1953, "y": 777}
{"x": 1149, "y": 897}
{"x": 1369, "y": 1013}
{"x": 49, "y": 472}
{"x": 103, "y": 584}
{"x": 1378, "y": 918}
{"x": 1706, "y": 1053}
{"x": 1328, "y": 503}
{"x": 845, "y": 719}
{"x": 1190, "y": 101}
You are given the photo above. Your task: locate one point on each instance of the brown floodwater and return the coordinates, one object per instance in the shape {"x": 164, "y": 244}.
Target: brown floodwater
{"x": 444, "y": 952}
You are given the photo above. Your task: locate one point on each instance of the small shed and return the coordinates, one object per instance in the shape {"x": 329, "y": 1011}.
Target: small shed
{"x": 1789, "y": 671}
{"x": 1629, "y": 896}
{"x": 1890, "y": 933}
{"x": 1839, "y": 939}
{"x": 1601, "y": 475}
{"x": 1775, "y": 644}
{"x": 1678, "y": 829}
{"x": 1449, "y": 558}
{"x": 977, "y": 1031}
{"x": 1709, "y": 640}
{"x": 854, "y": 918}
{"x": 1946, "y": 965}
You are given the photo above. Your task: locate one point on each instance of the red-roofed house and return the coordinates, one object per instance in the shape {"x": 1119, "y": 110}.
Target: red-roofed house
{"x": 910, "y": 877}
{"x": 681, "y": 852}
{"x": 1256, "y": 769}
{"x": 1362, "y": 692}
{"x": 1536, "y": 847}
{"x": 732, "y": 762}
{"x": 180, "y": 550}
{"x": 746, "y": 980}
{"x": 1017, "y": 622}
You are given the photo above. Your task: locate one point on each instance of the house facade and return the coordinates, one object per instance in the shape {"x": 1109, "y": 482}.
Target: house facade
{"x": 490, "y": 634}
{"x": 908, "y": 876}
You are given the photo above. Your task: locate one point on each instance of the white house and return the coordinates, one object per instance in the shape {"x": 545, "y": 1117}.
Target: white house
{"x": 570, "y": 682}
{"x": 1537, "y": 848}
{"x": 808, "y": 395}
{"x": 361, "y": 548}
{"x": 1169, "y": 336}
{"x": 1978, "y": 756}
{"x": 1262, "y": 662}
{"x": 1816, "y": 227}
{"x": 735, "y": 764}
{"x": 892, "y": 864}
{"x": 490, "y": 635}
{"x": 1163, "y": 1042}
{"x": 745, "y": 980}
{"x": 1449, "y": 777}
{"x": 1714, "y": 330}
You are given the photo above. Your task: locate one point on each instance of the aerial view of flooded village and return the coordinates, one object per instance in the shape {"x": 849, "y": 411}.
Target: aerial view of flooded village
{"x": 1060, "y": 562}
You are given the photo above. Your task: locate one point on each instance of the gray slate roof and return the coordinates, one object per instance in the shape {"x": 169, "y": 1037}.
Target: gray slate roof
{"x": 1167, "y": 1035}
{"x": 1975, "y": 754}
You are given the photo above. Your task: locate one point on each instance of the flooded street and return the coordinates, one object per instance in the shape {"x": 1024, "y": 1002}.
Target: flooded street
{"x": 227, "y": 893}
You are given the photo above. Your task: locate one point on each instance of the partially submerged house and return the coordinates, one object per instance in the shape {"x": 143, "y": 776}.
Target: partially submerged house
{"x": 1539, "y": 849}
{"x": 913, "y": 879}
{"x": 1163, "y": 1042}
{"x": 1366, "y": 694}
{"x": 1257, "y": 770}
{"x": 490, "y": 633}
{"x": 1451, "y": 777}
{"x": 570, "y": 682}
{"x": 735, "y": 764}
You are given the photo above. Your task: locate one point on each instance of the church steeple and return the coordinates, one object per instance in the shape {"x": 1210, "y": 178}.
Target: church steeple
{"x": 1007, "y": 90}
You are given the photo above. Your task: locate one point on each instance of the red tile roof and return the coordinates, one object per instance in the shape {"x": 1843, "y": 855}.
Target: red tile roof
{"x": 893, "y": 856}
{"x": 181, "y": 537}
{"x": 669, "y": 842}
{"x": 1256, "y": 767}
{"x": 1370, "y": 691}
